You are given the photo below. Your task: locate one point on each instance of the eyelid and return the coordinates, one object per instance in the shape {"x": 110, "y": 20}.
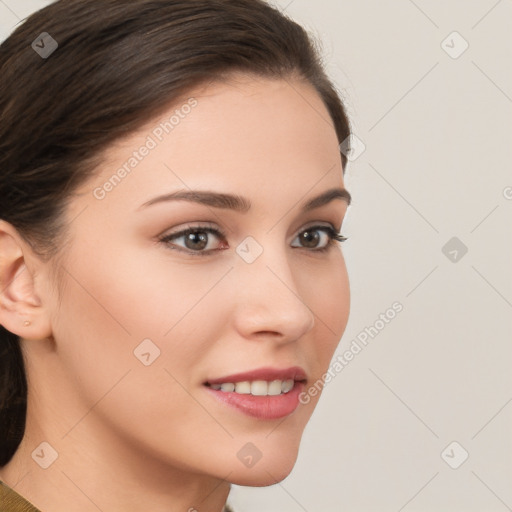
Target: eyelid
{"x": 318, "y": 224}
{"x": 206, "y": 225}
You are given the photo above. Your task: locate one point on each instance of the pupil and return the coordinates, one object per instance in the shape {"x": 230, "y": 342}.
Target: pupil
{"x": 310, "y": 238}
{"x": 198, "y": 240}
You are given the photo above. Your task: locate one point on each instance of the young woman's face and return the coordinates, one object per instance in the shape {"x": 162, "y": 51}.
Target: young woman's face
{"x": 149, "y": 322}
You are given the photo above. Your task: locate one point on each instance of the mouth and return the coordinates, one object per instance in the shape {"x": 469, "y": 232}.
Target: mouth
{"x": 256, "y": 387}
{"x": 265, "y": 393}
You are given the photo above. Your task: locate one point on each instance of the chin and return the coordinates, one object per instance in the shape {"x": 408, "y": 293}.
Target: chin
{"x": 265, "y": 472}
{"x": 275, "y": 452}
{"x": 259, "y": 478}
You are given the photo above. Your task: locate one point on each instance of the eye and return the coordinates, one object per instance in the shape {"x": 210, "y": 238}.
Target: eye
{"x": 198, "y": 240}
{"x": 319, "y": 238}
{"x": 201, "y": 240}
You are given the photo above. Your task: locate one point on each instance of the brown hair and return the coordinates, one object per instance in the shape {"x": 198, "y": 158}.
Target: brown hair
{"x": 118, "y": 64}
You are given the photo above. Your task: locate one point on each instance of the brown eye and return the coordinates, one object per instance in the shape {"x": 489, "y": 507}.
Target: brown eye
{"x": 309, "y": 238}
{"x": 196, "y": 240}
{"x": 318, "y": 238}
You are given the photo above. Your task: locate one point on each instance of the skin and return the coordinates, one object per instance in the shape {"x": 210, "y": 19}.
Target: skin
{"x": 163, "y": 441}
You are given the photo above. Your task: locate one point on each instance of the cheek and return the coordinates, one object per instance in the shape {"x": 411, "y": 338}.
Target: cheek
{"x": 124, "y": 333}
{"x": 133, "y": 295}
{"x": 114, "y": 311}
{"x": 337, "y": 296}
{"x": 329, "y": 300}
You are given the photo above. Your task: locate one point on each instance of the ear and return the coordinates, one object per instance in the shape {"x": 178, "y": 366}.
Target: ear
{"x": 22, "y": 311}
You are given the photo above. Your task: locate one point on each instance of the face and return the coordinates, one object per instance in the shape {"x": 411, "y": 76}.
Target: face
{"x": 188, "y": 349}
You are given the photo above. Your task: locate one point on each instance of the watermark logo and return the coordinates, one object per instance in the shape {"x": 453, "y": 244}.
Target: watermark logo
{"x": 249, "y": 250}
{"x": 45, "y": 455}
{"x": 454, "y": 455}
{"x": 147, "y": 352}
{"x": 454, "y": 45}
{"x": 454, "y": 249}
{"x": 352, "y": 147}
{"x": 157, "y": 135}
{"x": 44, "y": 45}
{"x": 249, "y": 455}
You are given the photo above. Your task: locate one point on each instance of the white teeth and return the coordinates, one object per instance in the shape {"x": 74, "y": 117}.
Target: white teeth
{"x": 287, "y": 386}
{"x": 274, "y": 387}
{"x": 257, "y": 387}
{"x": 244, "y": 388}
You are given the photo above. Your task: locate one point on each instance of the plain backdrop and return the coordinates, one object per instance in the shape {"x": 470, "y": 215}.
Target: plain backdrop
{"x": 421, "y": 418}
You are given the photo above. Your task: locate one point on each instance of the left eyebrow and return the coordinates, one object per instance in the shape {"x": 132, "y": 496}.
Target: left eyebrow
{"x": 327, "y": 197}
{"x": 242, "y": 204}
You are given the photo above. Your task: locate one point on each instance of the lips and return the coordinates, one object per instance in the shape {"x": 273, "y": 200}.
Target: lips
{"x": 265, "y": 393}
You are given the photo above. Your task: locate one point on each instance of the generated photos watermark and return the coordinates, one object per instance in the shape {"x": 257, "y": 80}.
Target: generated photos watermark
{"x": 357, "y": 345}
{"x": 157, "y": 135}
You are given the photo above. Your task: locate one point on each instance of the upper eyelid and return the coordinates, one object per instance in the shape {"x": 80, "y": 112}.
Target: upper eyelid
{"x": 180, "y": 232}
{"x": 211, "y": 227}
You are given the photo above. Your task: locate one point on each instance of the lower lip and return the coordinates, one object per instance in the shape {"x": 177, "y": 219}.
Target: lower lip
{"x": 263, "y": 407}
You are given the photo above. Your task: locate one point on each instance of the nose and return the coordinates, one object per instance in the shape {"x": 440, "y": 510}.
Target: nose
{"x": 269, "y": 304}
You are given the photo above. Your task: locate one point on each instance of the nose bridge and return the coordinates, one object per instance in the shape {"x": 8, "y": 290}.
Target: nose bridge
{"x": 269, "y": 299}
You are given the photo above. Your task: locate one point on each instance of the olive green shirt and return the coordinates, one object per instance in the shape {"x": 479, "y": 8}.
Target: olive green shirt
{"x": 11, "y": 501}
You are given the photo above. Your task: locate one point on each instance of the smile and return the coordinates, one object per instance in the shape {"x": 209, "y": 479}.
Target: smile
{"x": 257, "y": 387}
{"x": 265, "y": 393}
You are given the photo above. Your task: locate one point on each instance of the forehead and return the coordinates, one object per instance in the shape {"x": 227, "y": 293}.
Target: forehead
{"x": 248, "y": 135}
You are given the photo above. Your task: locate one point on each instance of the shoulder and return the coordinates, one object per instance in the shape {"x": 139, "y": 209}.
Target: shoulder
{"x": 11, "y": 501}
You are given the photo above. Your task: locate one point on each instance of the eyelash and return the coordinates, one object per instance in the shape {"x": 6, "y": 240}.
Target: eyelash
{"x": 334, "y": 238}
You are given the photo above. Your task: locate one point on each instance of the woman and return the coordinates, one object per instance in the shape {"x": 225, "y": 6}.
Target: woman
{"x": 170, "y": 274}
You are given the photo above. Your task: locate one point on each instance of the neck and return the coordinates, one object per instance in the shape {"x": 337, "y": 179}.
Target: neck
{"x": 90, "y": 466}
{"x": 95, "y": 473}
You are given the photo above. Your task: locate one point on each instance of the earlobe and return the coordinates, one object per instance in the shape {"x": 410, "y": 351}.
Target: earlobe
{"x": 21, "y": 309}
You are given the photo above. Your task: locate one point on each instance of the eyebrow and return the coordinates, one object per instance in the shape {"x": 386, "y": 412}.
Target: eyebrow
{"x": 241, "y": 204}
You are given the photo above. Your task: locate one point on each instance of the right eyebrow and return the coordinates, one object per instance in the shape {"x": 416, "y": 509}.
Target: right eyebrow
{"x": 242, "y": 204}
{"x": 208, "y": 198}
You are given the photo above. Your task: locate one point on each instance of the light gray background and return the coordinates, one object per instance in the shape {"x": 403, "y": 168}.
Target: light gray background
{"x": 436, "y": 165}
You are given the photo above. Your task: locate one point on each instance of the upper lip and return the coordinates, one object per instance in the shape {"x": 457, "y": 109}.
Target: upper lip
{"x": 269, "y": 374}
